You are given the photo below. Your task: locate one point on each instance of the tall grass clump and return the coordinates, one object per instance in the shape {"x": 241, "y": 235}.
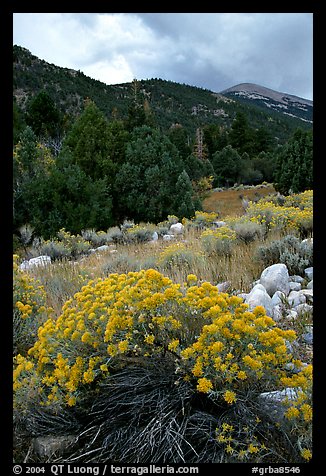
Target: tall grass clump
{"x": 161, "y": 372}
{"x": 61, "y": 281}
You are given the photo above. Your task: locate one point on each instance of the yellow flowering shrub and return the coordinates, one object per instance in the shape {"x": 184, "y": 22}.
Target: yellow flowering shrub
{"x": 219, "y": 240}
{"x": 201, "y": 220}
{"x": 178, "y": 255}
{"x": 221, "y": 347}
{"x": 124, "y": 315}
{"x": 238, "y": 348}
{"x": 295, "y": 215}
{"x": 30, "y": 309}
{"x": 303, "y": 200}
{"x": 205, "y": 218}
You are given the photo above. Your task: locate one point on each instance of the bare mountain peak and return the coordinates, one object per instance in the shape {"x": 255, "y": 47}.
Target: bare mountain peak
{"x": 251, "y": 88}
{"x": 273, "y": 100}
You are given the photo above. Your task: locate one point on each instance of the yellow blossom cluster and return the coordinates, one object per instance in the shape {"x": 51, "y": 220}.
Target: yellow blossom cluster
{"x": 220, "y": 347}
{"x": 30, "y": 308}
{"x": 29, "y": 296}
{"x": 240, "y": 443}
{"x": 221, "y": 233}
{"x": 237, "y": 348}
{"x": 295, "y": 215}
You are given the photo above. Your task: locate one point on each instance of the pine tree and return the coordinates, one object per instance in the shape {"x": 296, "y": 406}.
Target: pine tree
{"x": 227, "y": 166}
{"x": 43, "y": 115}
{"x": 241, "y": 136}
{"x": 89, "y": 143}
{"x": 183, "y": 198}
{"x": 145, "y": 183}
{"x": 294, "y": 167}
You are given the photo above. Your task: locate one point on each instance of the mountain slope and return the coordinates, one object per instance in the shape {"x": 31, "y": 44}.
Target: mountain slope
{"x": 266, "y": 98}
{"x": 170, "y": 102}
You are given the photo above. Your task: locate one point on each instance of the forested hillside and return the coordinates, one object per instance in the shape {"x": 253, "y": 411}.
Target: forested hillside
{"x": 90, "y": 155}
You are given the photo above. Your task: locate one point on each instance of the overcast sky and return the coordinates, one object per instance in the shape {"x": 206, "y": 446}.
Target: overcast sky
{"x": 209, "y": 50}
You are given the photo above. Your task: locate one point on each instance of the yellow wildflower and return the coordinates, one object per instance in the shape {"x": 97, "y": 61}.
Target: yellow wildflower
{"x": 306, "y": 454}
{"x": 229, "y": 396}
{"x": 204, "y": 385}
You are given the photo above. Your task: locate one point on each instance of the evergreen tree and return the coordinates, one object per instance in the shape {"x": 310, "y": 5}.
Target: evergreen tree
{"x": 263, "y": 140}
{"x": 211, "y": 139}
{"x": 227, "y": 166}
{"x": 43, "y": 115}
{"x": 145, "y": 182}
{"x": 117, "y": 138}
{"x": 183, "y": 197}
{"x": 241, "y": 136}
{"x": 30, "y": 160}
{"x": 66, "y": 198}
{"x": 89, "y": 142}
{"x": 294, "y": 167}
{"x": 179, "y": 137}
{"x": 136, "y": 111}
{"x": 196, "y": 168}
{"x": 222, "y": 139}
{"x": 265, "y": 163}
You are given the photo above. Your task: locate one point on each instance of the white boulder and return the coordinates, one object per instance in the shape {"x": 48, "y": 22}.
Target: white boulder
{"x": 34, "y": 262}
{"x": 295, "y": 298}
{"x": 309, "y": 272}
{"x": 275, "y": 278}
{"x": 259, "y": 297}
{"x": 168, "y": 237}
{"x": 176, "y": 228}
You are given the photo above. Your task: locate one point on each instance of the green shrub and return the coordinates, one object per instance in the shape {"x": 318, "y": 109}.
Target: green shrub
{"x": 290, "y": 250}
{"x": 115, "y": 235}
{"x": 248, "y": 231}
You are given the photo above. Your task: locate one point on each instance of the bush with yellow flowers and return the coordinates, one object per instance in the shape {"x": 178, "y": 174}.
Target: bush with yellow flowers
{"x": 205, "y": 356}
{"x": 201, "y": 220}
{"x": 219, "y": 240}
{"x": 179, "y": 255}
{"x": 303, "y": 200}
{"x": 30, "y": 309}
{"x": 296, "y": 215}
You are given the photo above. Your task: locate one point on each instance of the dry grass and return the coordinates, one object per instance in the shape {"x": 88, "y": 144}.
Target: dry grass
{"x": 240, "y": 269}
{"x": 228, "y": 202}
{"x": 64, "y": 278}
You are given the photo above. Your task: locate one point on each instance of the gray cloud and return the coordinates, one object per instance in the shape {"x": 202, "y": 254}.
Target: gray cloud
{"x": 210, "y": 50}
